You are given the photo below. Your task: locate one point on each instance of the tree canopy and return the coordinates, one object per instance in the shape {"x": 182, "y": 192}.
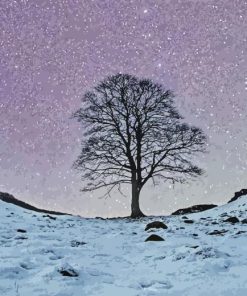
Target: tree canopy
{"x": 132, "y": 133}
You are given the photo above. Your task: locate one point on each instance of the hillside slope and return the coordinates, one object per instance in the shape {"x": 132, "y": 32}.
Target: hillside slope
{"x": 8, "y": 198}
{"x": 43, "y": 255}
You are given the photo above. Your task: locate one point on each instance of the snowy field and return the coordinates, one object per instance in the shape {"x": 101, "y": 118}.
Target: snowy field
{"x": 111, "y": 257}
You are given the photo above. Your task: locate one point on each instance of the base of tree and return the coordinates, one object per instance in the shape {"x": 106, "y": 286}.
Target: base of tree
{"x": 137, "y": 215}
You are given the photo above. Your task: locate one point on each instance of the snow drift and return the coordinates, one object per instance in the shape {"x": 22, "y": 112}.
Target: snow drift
{"x": 44, "y": 255}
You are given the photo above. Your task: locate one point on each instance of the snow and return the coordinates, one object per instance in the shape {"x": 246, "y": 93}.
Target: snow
{"x": 111, "y": 257}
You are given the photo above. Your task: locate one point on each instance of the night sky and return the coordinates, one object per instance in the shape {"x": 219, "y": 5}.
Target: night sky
{"x": 51, "y": 52}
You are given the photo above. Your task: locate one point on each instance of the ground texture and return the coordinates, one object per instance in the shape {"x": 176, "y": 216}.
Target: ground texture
{"x": 45, "y": 255}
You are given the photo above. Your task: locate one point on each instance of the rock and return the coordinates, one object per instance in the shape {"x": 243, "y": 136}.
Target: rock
{"x": 214, "y": 223}
{"x": 238, "y": 194}
{"x": 68, "y": 273}
{"x": 194, "y": 209}
{"x": 50, "y": 217}
{"x": 244, "y": 221}
{"x": 77, "y": 244}
{"x": 188, "y": 221}
{"x": 184, "y": 217}
{"x": 67, "y": 270}
{"x": 21, "y": 237}
{"x": 232, "y": 220}
{"x": 217, "y": 232}
{"x": 240, "y": 232}
{"x": 21, "y": 230}
{"x": 154, "y": 238}
{"x": 195, "y": 234}
{"x": 155, "y": 224}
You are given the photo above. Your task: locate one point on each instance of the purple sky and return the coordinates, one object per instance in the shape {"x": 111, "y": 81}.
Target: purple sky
{"x": 51, "y": 52}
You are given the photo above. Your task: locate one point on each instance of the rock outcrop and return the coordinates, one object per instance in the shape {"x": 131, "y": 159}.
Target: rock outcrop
{"x": 238, "y": 194}
{"x": 194, "y": 209}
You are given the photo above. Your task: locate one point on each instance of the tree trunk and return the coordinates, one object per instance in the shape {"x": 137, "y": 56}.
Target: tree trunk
{"x": 135, "y": 208}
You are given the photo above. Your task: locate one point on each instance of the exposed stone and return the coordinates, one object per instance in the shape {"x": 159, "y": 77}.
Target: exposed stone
{"x": 70, "y": 273}
{"x": 77, "y": 244}
{"x": 156, "y": 224}
{"x": 240, "y": 232}
{"x": 21, "y": 230}
{"x": 50, "y": 217}
{"x": 232, "y": 220}
{"x": 238, "y": 194}
{"x": 217, "y": 232}
{"x": 67, "y": 270}
{"x": 154, "y": 238}
{"x": 189, "y": 221}
{"x": 194, "y": 209}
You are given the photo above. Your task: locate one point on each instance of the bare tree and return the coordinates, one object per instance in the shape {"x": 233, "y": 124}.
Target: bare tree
{"x": 133, "y": 133}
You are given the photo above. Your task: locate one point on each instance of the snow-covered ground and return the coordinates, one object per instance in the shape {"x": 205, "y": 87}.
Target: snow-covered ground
{"x": 116, "y": 260}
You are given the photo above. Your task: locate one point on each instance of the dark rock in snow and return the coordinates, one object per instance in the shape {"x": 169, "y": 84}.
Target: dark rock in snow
{"x": 154, "y": 238}
{"x": 21, "y": 237}
{"x": 77, "y": 244}
{"x": 21, "y": 230}
{"x": 188, "y": 221}
{"x": 232, "y": 220}
{"x": 50, "y": 217}
{"x": 238, "y": 194}
{"x": 68, "y": 272}
{"x": 240, "y": 232}
{"x": 217, "y": 232}
{"x": 156, "y": 224}
{"x": 244, "y": 221}
{"x": 184, "y": 217}
{"x": 194, "y": 209}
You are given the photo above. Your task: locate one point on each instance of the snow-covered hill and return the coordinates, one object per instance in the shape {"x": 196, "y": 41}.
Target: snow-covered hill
{"x": 201, "y": 254}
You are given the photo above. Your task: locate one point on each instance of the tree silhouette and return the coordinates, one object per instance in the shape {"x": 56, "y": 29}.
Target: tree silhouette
{"x": 133, "y": 133}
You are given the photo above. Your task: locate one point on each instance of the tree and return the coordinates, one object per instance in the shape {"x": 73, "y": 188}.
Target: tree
{"x": 133, "y": 133}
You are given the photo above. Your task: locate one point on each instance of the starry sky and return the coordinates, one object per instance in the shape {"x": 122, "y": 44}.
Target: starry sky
{"x": 51, "y": 52}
